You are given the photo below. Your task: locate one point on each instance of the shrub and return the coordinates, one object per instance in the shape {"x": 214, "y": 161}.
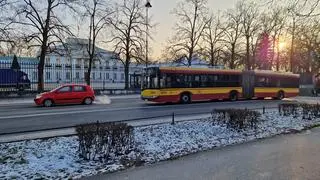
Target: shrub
{"x": 101, "y": 141}
{"x": 310, "y": 111}
{"x": 236, "y": 118}
{"x": 287, "y": 109}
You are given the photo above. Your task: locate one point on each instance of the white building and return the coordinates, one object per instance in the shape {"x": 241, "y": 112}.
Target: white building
{"x": 69, "y": 62}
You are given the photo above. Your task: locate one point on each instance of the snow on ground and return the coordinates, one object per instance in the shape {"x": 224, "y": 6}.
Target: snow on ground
{"x": 57, "y": 158}
{"x": 102, "y": 100}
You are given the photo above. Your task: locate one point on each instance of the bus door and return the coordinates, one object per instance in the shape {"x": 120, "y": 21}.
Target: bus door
{"x": 248, "y": 82}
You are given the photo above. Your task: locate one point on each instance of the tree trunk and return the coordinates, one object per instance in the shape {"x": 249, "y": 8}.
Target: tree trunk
{"x": 40, "y": 70}
{"x": 126, "y": 75}
{"x": 44, "y": 48}
{"x": 88, "y": 77}
{"x": 212, "y": 55}
{"x": 233, "y": 46}
{"x": 248, "y": 64}
{"x": 190, "y": 58}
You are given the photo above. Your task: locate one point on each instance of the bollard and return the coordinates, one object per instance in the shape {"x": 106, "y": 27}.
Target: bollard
{"x": 264, "y": 110}
{"x": 172, "y": 123}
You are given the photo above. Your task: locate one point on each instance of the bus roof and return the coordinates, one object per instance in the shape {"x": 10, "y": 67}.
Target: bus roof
{"x": 186, "y": 70}
{"x": 272, "y": 73}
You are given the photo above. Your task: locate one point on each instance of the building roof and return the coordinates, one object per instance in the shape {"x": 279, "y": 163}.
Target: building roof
{"x": 21, "y": 60}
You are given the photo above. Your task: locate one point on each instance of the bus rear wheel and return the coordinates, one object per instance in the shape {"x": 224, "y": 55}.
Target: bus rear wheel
{"x": 280, "y": 95}
{"x": 233, "y": 96}
{"x": 185, "y": 98}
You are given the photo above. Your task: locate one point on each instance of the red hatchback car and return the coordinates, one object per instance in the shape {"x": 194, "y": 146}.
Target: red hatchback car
{"x": 66, "y": 94}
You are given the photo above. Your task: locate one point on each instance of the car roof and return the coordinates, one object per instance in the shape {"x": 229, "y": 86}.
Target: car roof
{"x": 74, "y": 85}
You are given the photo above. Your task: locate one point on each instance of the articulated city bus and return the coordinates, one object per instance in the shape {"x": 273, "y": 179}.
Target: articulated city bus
{"x": 185, "y": 85}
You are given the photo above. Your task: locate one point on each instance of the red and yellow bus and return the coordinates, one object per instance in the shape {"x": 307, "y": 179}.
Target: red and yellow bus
{"x": 185, "y": 85}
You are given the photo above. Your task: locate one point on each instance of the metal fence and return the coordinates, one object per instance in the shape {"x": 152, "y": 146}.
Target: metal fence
{"x": 102, "y": 78}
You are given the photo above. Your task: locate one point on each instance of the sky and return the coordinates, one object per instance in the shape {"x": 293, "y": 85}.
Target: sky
{"x": 161, "y": 15}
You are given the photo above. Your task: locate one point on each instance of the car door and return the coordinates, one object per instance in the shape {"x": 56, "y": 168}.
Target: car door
{"x": 64, "y": 95}
{"x": 79, "y": 93}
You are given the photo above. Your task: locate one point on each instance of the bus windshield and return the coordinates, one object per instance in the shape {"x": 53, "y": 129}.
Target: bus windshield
{"x": 150, "y": 78}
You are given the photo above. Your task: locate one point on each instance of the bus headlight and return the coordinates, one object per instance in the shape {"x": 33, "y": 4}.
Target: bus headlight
{"x": 149, "y": 97}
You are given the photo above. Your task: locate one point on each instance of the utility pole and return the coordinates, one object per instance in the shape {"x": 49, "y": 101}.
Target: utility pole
{"x": 148, "y": 5}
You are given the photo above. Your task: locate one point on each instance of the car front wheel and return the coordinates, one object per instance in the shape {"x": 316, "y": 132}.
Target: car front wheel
{"x": 47, "y": 103}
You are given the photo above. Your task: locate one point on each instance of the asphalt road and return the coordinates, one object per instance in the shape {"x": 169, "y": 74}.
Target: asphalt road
{"x": 289, "y": 157}
{"x": 26, "y": 117}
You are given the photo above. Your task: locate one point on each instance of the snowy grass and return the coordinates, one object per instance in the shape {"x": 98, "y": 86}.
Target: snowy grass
{"x": 58, "y": 158}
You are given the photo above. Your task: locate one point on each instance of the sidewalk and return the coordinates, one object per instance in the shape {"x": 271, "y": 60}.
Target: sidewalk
{"x": 7, "y": 101}
{"x": 283, "y": 157}
{"x": 306, "y": 99}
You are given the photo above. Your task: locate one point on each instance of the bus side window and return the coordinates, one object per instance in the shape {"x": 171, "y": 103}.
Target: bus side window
{"x": 211, "y": 81}
{"x": 204, "y": 81}
{"x": 196, "y": 81}
{"x": 163, "y": 81}
{"x": 261, "y": 81}
{"x": 168, "y": 82}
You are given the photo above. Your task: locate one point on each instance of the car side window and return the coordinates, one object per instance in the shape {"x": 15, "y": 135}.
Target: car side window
{"x": 79, "y": 89}
{"x": 65, "y": 89}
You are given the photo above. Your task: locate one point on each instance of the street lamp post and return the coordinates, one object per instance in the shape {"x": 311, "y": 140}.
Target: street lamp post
{"x": 148, "y": 5}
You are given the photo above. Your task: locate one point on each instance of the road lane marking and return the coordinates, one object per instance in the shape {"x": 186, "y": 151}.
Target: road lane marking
{"x": 81, "y": 110}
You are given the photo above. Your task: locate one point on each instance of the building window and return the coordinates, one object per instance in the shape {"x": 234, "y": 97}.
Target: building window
{"x": 68, "y": 75}
{"x": 107, "y": 76}
{"x": 48, "y": 75}
{"x": 47, "y": 61}
{"x": 114, "y": 76}
{"x": 86, "y": 63}
{"x": 77, "y": 75}
{"x": 58, "y": 60}
{"x": 79, "y": 62}
{"x": 58, "y": 76}
{"x": 35, "y": 75}
{"x": 107, "y": 65}
{"x": 94, "y": 75}
{"x": 100, "y": 76}
{"x": 115, "y": 65}
{"x": 122, "y": 76}
{"x": 68, "y": 62}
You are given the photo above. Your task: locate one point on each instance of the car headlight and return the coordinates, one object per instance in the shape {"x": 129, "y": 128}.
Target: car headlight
{"x": 38, "y": 96}
{"x": 24, "y": 77}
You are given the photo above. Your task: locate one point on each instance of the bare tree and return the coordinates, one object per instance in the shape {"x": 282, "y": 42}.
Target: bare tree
{"x": 249, "y": 14}
{"x": 41, "y": 26}
{"x": 98, "y": 13}
{"x": 232, "y": 35}
{"x": 307, "y": 43}
{"x": 189, "y": 28}
{"x": 212, "y": 37}
{"x": 128, "y": 33}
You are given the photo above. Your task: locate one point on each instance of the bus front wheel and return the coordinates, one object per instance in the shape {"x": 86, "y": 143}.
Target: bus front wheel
{"x": 280, "y": 95}
{"x": 185, "y": 98}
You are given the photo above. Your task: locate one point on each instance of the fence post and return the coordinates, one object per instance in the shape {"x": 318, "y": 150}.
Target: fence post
{"x": 172, "y": 123}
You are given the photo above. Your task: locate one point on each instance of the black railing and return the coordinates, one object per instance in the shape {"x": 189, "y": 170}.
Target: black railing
{"x": 54, "y": 75}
